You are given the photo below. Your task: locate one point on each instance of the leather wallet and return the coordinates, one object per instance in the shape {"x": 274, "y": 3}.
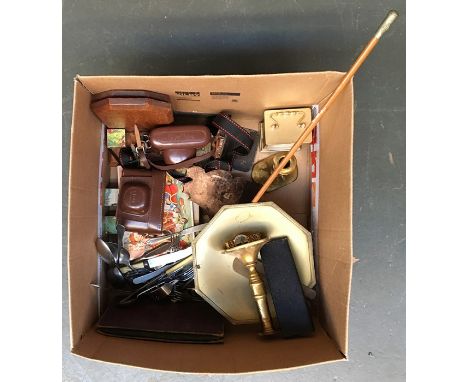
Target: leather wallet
{"x": 190, "y": 322}
{"x": 179, "y": 143}
{"x": 123, "y": 109}
{"x": 140, "y": 205}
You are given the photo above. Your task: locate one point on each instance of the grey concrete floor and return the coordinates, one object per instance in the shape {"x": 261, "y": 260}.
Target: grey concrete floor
{"x": 246, "y": 37}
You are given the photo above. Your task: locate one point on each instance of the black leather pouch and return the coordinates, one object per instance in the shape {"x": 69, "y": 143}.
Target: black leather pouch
{"x": 285, "y": 289}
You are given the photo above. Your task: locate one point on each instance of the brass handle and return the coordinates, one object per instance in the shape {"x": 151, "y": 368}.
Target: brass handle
{"x": 260, "y": 297}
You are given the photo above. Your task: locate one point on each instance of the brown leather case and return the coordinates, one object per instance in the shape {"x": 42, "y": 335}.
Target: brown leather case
{"x": 190, "y": 322}
{"x": 123, "y": 109}
{"x": 140, "y": 205}
{"x": 179, "y": 143}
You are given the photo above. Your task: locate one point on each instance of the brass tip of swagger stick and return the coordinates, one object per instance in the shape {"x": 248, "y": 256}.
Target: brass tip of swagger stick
{"x": 391, "y": 17}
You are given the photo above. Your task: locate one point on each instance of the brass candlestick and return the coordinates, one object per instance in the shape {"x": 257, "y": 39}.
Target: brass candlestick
{"x": 247, "y": 254}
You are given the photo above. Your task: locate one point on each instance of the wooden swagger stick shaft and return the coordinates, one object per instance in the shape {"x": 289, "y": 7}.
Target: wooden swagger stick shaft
{"x": 392, "y": 15}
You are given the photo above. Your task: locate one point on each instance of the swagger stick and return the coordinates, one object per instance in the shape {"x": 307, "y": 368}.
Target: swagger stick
{"x": 392, "y": 15}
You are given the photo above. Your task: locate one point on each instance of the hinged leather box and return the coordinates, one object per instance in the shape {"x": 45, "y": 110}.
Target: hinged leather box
{"x": 246, "y": 98}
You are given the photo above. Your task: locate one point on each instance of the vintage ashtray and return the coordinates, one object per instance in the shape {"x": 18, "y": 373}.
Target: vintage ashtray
{"x": 216, "y": 277}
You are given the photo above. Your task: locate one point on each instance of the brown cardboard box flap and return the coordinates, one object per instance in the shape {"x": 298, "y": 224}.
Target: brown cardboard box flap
{"x": 83, "y": 214}
{"x": 243, "y": 351}
{"x": 210, "y": 94}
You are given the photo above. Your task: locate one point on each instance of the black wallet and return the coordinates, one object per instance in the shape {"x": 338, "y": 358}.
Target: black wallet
{"x": 189, "y": 322}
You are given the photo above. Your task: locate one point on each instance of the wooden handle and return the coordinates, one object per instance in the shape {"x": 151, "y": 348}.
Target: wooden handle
{"x": 392, "y": 15}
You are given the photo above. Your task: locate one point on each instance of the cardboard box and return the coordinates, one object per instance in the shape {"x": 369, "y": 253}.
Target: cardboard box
{"x": 246, "y": 97}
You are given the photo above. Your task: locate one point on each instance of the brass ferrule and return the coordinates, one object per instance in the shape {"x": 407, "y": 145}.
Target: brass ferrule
{"x": 391, "y": 17}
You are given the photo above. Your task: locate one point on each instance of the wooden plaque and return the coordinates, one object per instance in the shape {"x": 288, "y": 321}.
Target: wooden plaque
{"x": 124, "y": 109}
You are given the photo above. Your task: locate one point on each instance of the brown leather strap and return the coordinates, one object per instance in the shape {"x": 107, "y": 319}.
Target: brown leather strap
{"x": 140, "y": 149}
{"x": 185, "y": 163}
